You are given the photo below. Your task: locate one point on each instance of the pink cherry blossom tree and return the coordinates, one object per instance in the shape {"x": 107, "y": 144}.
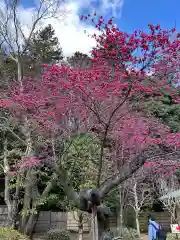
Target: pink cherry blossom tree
{"x": 100, "y": 100}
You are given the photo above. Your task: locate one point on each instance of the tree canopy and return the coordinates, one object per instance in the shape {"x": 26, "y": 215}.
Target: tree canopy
{"x": 83, "y": 122}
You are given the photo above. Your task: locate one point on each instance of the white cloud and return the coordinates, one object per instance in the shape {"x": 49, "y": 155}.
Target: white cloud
{"x": 103, "y": 7}
{"x": 70, "y": 30}
{"x": 113, "y": 7}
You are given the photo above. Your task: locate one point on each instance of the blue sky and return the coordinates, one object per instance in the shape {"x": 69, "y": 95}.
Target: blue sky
{"x": 138, "y": 14}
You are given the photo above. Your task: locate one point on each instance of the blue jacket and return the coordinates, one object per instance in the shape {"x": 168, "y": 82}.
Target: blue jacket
{"x": 151, "y": 230}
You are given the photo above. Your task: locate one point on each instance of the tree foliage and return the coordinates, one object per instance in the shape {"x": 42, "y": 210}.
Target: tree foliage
{"x": 44, "y": 48}
{"x": 83, "y": 123}
{"x": 81, "y": 160}
{"x": 79, "y": 59}
{"x": 166, "y": 110}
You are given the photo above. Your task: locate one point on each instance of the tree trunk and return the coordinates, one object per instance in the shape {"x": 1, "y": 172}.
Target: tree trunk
{"x": 138, "y": 225}
{"x": 120, "y": 223}
{"x": 103, "y": 225}
{"x": 80, "y": 232}
{"x": 178, "y": 214}
{"x": 94, "y": 224}
{"x": 31, "y": 224}
{"x": 27, "y": 199}
{"x": 12, "y": 215}
{"x": 80, "y": 224}
{"x": 29, "y": 181}
{"x": 136, "y": 208}
{"x": 19, "y": 72}
{"x": 120, "y": 215}
{"x": 12, "y": 204}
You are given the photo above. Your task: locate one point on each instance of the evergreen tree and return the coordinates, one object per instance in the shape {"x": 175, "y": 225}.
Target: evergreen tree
{"x": 79, "y": 60}
{"x": 43, "y": 48}
{"x": 8, "y": 69}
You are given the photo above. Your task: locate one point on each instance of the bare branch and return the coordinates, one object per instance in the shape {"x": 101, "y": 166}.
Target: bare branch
{"x": 129, "y": 169}
{"x": 165, "y": 187}
{"x": 11, "y": 27}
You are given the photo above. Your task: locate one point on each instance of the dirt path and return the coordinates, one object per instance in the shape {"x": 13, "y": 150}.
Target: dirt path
{"x": 38, "y": 237}
{"x": 42, "y": 237}
{"x": 144, "y": 236}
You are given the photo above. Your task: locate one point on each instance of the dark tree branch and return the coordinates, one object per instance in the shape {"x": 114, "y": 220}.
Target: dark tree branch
{"x": 135, "y": 164}
{"x": 63, "y": 181}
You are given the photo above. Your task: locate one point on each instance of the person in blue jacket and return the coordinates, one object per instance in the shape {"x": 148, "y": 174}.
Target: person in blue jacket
{"x": 153, "y": 227}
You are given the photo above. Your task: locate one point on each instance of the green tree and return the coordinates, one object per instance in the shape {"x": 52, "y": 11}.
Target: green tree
{"x": 8, "y": 69}
{"x": 80, "y": 160}
{"x": 166, "y": 110}
{"x": 44, "y": 47}
{"x": 79, "y": 60}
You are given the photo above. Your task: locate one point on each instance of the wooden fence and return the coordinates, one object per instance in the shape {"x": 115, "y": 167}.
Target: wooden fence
{"x": 3, "y": 215}
{"x": 51, "y": 220}
{"x": 163, "y": 218}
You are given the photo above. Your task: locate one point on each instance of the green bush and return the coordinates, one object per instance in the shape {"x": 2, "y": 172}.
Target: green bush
{"x": 130, "y": 234}
{"x": 57, "y": 234}
{"x": 107, "y": 235}
{"x": 7, "y": 233}
{"x": 173, "y": 236}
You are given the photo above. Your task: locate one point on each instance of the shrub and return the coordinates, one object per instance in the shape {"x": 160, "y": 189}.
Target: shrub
{"x": 7, "y": 233}
{"x": 130, "y": 234}
{"x": 57, "y": 234}
{"x": 107, "y": 235}
{"x": 173, "y": 236}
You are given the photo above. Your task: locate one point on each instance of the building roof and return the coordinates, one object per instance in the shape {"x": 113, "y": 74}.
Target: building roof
{"x": 174, "y": 194}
